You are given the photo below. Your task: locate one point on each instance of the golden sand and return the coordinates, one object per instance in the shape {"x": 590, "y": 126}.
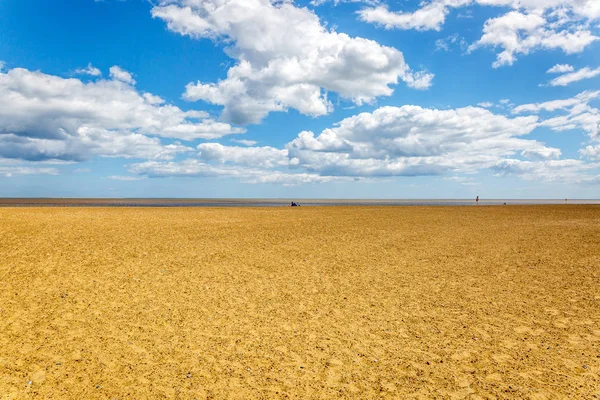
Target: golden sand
{"x": 324, "y": 302}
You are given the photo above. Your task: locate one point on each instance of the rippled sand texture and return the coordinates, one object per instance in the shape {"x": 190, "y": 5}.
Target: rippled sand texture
{"x": 337, "y": 302}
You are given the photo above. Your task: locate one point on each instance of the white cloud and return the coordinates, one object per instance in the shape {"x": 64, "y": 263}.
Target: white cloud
{"x": 49, "y": 117}
{"x": 120, "y": 74}
{"x": 10, "y": 171}
{"x": 541, "y": 153}
{"x": 530, "y": 26}
{"x": 286, "y": 58}
{"x": 430, "y": 16}
{"x": 560, "y": 69}
{"x": 2, "y": 66}
{"x": 89, "y": 70}
{"x": 568, "y": 114}
{"x": 566, "y": 79}
{"x": 263, "y": 157}
{"x": 486, "y": 104}
{"x": 553, "y": 105}
{"x": 389, "y": 142}
{"x": 522, "y": 33}
{"x": 450, "y": 41}
{"x": 592, "y": 152}
{"x": 410, "y": 140}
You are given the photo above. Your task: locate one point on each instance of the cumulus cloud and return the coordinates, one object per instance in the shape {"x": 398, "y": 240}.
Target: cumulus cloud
{"x": 530, "y": 26}
{"x": 411, "y": 140}
{"x": 120, "y": 74}
{"x": 592, "y": 152}
{"x": 560, "y": 69}
{"x": 286, "y": 58}
{"x": 264, "y": 157}
{"x": 522, "y": 33}
{"x": 389, "y": 142}
{"x": 48, "y": 117}
{"x": 576, "y": 76}
{"x": 574, "y": 113}
{"x": 430, "y": 16}
{"x": 89, "y": 70}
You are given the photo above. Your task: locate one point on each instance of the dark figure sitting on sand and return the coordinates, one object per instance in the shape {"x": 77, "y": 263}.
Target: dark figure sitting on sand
{"x": 294, "y": 204}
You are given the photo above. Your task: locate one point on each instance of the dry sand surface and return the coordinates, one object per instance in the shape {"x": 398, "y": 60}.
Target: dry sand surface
{"x": 302, "y": 303}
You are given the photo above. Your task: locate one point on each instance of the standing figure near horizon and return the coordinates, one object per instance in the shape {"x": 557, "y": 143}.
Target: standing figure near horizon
{"x": 477, "y": 200}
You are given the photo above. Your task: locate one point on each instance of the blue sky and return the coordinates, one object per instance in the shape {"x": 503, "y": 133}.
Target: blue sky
{"x": 325, "y": 99}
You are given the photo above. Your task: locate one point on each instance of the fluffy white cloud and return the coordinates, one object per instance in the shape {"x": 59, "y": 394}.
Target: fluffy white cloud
{"x": 391, "y": 142}
{"x": 531, "y": 25}
{"x": 521, "y": 33}
{"x": 48, "y": 117}
{"x": 89, "y": 70}
{"x": 411, "y": 140}
{"x": 120, "y": 74}
{"x": 560, "y": 69}
{"x": 264, "y": 157}
{"x": 286, "y": 58}
{"x": 575, "y": 113}
{"x": 583, "y": 73}
{"x": 430, "y": 16}
{"x": 592, "y": 152}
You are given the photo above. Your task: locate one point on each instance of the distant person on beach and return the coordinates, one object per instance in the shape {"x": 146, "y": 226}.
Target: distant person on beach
{"x": 477, "y": 200}
{"x": 294, "y": 204}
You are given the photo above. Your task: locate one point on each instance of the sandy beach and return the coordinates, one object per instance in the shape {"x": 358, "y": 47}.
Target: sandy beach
{"x": 300, "y": 303}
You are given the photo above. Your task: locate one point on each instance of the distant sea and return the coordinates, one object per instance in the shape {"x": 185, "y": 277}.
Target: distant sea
{"x": 101, "y": 202}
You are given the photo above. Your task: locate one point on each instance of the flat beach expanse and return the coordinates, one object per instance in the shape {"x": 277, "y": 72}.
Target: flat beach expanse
{"x": 300, "y": 303}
